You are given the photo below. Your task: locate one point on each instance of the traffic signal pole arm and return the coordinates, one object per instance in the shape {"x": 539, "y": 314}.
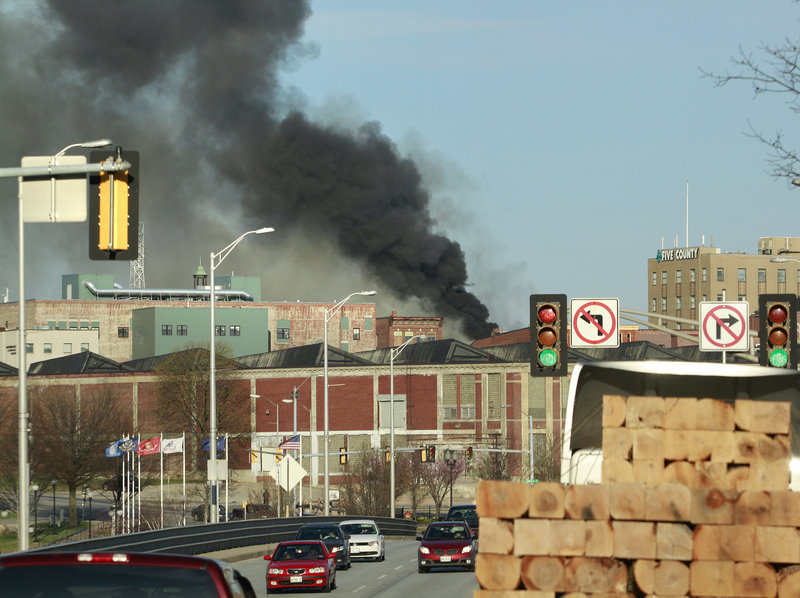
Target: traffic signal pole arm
{"x": 23, "y": 171}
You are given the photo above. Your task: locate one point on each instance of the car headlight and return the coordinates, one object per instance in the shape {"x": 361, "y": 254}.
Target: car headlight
{"x": 317, "y": 570}
{"x": 374, "y": 543}
{"x": 424, "y": 550}
{"x": 337, "y": 548}
{"x": 275, "y": 571}
{"x": 466, "y": 550}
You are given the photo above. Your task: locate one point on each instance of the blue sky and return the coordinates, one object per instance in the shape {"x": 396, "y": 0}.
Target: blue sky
{"x": 557, "y": 139}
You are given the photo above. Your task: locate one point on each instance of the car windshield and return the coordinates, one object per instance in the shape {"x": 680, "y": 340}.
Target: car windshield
{"x": 359, "y": 528}
{"x": 318, "y": 533}
{"x": 128, "y": 581}
{"x": 447, "y": 532}
{"x": 464, "y": 514}
{"x": 289, "y": 552}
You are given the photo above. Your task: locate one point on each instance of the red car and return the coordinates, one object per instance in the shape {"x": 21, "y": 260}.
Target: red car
{"x": 301, "y": 564}
{"x": 29, "y": 575}
{"x": 446, "y": 544}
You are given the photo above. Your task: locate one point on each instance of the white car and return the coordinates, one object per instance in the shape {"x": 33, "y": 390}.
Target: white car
{"x": 366, "y": 540}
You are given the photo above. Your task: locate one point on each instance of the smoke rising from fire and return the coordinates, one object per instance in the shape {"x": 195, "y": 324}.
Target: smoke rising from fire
{"x": 193, "y": 86}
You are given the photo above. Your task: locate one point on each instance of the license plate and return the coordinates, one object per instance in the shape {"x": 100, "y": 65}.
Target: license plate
{"x": 355, "y": 549}
{"x": 296, "y": 579}
{"x": 445, "y": 559}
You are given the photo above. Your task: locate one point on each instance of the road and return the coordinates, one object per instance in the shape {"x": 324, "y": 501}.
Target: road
{"x": 396, "y": 577}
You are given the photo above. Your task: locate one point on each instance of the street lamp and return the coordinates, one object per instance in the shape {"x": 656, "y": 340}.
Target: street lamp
{"x": 392, "y": 354}
{"x": 54, "y": 482}
{"x": 35, "y": 489}
{"x": 22, "y": 374}
{"x": 329, "y": 313}
{"x": 215, "y": 260}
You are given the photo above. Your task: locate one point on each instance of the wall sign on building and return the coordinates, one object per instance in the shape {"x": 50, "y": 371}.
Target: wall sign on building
{"x": 681, "y": 253}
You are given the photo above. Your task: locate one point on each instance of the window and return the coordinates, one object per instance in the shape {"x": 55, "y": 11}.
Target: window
{"x": 692, "y": 275}
{"x": 166, "y": 330}
{"x": 741, "y": 275}
{"x": 356, "y": 334}
{"x": 653, "y": 308}
{"x": 678, "y": 303}
{"x": 283, "y": 334}
{"x": 368, "y": 323}
{"x": 95, "y": 325}
{"x": 678, "y": 277}
{"x": 84, "y": 347}
{"x": 762, "y": 275}
{"x": 47, "y": 348}
{"x": 742, "y": 298}
{"x": 655, "y": 278}
{"x": 720, "y": 274}
{"x": 235, "y": 330}
{"x": 84, "y": 325}
{"x": 719, "y": 296}
{"x": 663, "y": 304}
{"x": 28, "y": 347}
{"x": 693, "y": 302}
{"x": 67, "y": 347}
{"x": 664, "y": 277}
{"x": 781, "y": 275}
{"x": 122, "y": 332}
{"x": 182, "y": 330}
{"x": 219, "y": 330}
{"x": 73, "y": 325}
{"x": 705, "y": 297}
{"x": 704, "y": 274}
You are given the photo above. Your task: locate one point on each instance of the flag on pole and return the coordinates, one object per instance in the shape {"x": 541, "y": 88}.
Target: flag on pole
{"x": 112, "y": 450}
{"x": 172, "y": 445}
{"x": 127, "y": 445}
{"x": 220, "y": 444}
{"x": 291, "y": 444}
{"x": 151, "y": 446}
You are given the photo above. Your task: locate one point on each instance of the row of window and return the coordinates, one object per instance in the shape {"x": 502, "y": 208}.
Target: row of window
{"x": 66, "y": 348}
{"x": 692, "y": 302}
{"x": 72, "y": 325}
{"x": 741, "y": 275}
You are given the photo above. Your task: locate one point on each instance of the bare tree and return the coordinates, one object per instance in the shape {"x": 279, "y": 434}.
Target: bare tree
{"x": 774, "y": 69}
{"x": 438, "y": 478}
{"x": 414, "y": 486}
{"x": 183, "y": 390}
{"x": 492, "y": 464}
{"x": 70, "y": 433}
{"x": 365, "y": 490}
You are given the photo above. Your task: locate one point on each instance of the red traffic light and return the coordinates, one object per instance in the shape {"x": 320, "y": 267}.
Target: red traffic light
{"x": 547, "y": 313}
{"x": 778, "y": 313}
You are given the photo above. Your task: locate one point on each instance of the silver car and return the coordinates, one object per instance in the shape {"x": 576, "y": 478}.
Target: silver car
{"x": 366, "y": 540}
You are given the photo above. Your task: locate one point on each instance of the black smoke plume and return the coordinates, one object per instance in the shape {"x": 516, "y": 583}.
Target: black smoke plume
{"x": 193, "y": 85}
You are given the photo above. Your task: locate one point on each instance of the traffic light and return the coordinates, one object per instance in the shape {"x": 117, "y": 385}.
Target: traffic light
{"x": 423, "y": 455}
{"x": 549, "y": 335}
{"x": 777, "y": 330}
{"x": 387, "y": 454}
{"x": 469, "y": 453}
{"x": 431, "y": 453}
{"x": 114, "y": 209}
{"x": 278, "y": 455}
{"x": 343, "y": 456}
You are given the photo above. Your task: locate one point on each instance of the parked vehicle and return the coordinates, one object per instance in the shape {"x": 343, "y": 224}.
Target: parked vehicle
{"x": 199, "y": 513}
{"x": 366, "y": 539}
{"x": 446, "y": 544}
{"x": 43, "y": 574}
{"x": 301, "y": 564}
{"x": 335, "y": 539}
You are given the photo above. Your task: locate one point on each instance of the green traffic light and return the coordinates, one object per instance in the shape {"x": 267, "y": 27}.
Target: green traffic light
{"x": 778, "y": 358}
{"x": 548, "y": 358}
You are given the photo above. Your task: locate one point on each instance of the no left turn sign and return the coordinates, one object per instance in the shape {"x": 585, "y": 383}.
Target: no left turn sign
{"x": 724, "y": 326}
{"x": 594, "y": 323}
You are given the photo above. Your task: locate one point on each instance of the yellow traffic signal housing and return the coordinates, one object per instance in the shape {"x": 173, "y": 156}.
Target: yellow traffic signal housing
{"x": 278, "y": 455}
{"x": 113, "y": 217}
{"x": 343, "y": 456}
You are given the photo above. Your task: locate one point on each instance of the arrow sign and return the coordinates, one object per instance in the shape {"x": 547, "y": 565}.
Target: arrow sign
{"x": 724, "y": 326}
{"x": 594, "y": 323}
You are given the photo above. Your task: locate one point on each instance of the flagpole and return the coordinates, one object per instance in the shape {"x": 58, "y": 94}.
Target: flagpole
{"x": 227, "y": 475}
{"x": 138, "y": 487}
{"x": 122, "y": 485}
{"x": 183, "y": 451}
{"x": 161, "y": 466}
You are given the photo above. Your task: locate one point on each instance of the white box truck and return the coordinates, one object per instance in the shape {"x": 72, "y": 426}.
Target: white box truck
{"x": 581, "y": 452}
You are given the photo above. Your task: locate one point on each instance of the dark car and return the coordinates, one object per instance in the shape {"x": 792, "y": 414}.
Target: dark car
{"x": 119, "y": 574}
{"x": 199, "y": 513}
{"x": 466, "y": 513}
{"x": 446, "y": 544}
{"x": 301, "y": 564}
{"x": 335, "y": 539}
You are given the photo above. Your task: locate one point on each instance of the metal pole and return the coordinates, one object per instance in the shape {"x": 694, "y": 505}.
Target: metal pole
{"x": 391, "y": 433}
{"x": 90, "y": 515}
{"x": 326, "y": 472}
{"x": 298, "y": 493}
{"x": 22, "y": 380}
{"x": 212, "y": 441}
{"x": 530, "y": 445}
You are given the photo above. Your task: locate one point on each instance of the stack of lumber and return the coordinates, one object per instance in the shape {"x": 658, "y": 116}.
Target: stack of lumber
{"x": 695, "y": 501}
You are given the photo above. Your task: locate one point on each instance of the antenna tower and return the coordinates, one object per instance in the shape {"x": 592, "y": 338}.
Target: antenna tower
{"x": 136, "y": 280}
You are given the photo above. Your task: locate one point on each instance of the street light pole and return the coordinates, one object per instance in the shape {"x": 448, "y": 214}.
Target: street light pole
{"x": 22, "y": 373}
{"x": 54, "y": 482}
{"x": 329, "y": 313}
{"x": 215, "y": 260}
{"x": 392, "y": 354}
